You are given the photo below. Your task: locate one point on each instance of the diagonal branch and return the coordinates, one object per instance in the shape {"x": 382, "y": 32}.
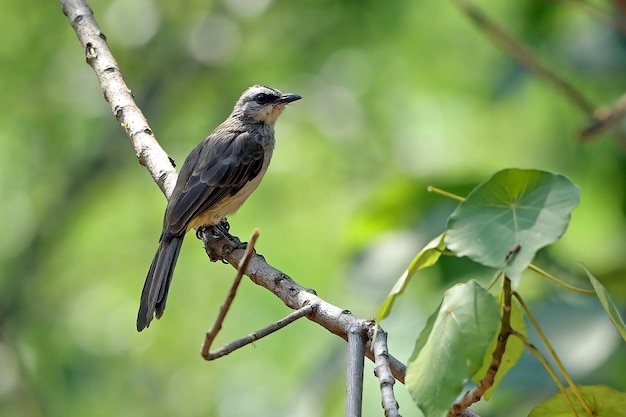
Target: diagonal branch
{"x": 522, "y": 55}
{"x": 606, "y": 118}
{"x": 254, "y": 336}
{"x": 119, "y": 96}
{"x": 603, "y": 119}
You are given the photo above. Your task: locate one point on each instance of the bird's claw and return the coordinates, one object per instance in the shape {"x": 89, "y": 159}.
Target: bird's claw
{"x": 224, "y": 224}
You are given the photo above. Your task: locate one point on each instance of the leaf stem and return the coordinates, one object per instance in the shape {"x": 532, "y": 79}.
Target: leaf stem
{"x": 495, "y": 279}
{"x": 548, "y": 368}
{"x": 559, "y": 282}
{"x": 439, "y": 191}
{"x": 556, "y": 358}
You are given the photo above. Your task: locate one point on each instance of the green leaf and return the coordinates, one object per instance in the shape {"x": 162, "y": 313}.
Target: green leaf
{"x": 425, "y": 258}
{"x": 604, "y": 402}
{"x": 503, "y": 222}
{"x": 451, "y": 347}
{"x": 607, "y": 303}
{"x": 514, "y": 349}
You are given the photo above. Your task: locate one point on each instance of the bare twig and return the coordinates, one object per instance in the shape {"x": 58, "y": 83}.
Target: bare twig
{"x": 550, "y": 370}
{"x": 601, "y": 120}
{"x": 243, "y": 264}
{"x": 548, "y": 345}
{"x": 605, "y": 118}
{"x": 470, "y": 397}
{"x": 606, "y": 16}
{"x": 253, "y": 337}
{"x": 354, "y": 383}
{"x": 518, "y": 51}
{"x": 119, "y": 96}
{"x": 383, "y": 372}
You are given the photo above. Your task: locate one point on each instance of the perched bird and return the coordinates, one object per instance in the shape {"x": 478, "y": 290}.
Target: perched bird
{"x": 214, "y": 181}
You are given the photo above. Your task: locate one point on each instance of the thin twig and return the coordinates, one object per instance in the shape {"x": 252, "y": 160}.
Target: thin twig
{"x": 548, "y": 367}
{"x": 383, "y": 372}
{"x": 354, "y": 381}
{"x": 605, "y": 118}
{"x": 547, "y": 343}
{"x": 607, "y": 17}
{"x": 243, "y": 264}
{"x": 470, "y": 397}
{"x": 259, "y": 334}
{"x": 518, "y": 51}
{"x": 602, "y": 120}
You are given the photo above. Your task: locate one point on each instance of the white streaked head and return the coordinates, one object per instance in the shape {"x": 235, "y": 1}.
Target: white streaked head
{"x": 263, "y": 104}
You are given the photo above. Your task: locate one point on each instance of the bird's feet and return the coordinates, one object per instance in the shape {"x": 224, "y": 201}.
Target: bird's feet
{"x": 211, "y": 234}
{"x": 224, "y": 227}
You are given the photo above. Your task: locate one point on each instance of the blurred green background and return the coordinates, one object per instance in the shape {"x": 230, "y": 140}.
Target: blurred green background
{"x": 396, "y": 96}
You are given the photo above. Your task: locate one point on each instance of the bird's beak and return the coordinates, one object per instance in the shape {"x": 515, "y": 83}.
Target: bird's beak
{"x": 288, "y": 98}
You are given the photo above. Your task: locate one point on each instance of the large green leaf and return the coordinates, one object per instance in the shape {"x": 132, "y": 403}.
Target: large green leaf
{"x": 512, "y": 353}
{"x": 503, "y": 222}
{"x": 604, "y": 402}
{"x": 451, "y": 347}
{"x": 608, "y": 304}
{"x": 425, "y": 258}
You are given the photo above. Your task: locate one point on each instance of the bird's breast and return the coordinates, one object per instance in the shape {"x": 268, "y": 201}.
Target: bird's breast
{"x": 231, "y": 204}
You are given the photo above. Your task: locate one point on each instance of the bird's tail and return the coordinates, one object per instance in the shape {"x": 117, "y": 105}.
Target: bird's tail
{"x": 154, "y": 293}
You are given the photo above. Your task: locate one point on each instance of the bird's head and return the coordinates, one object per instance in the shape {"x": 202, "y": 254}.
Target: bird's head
{"x": 263, "y": 104}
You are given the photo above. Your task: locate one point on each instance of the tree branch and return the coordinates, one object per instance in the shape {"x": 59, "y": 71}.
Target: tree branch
{"x": 383, "y": 372}
{"x": 292, "y": 294}
{"x": 254, "y": 336}
{"x": 603, "y": 119}
{"x": 606, "y": 118}
{"x": 152, "y": 156}
{"x": 119, "y": 96}
{"x": 354, "y": 384}
{"x": 521, "y": 54}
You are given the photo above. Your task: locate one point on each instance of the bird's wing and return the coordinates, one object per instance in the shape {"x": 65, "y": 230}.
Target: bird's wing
{"x": 215, "y": 169}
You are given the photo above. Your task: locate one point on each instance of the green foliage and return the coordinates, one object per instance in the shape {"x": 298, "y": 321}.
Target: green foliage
{"x": 428, "y": 256}
{"x": 451, "y": 347}
{"x": 519, "y": 209}
{"x": 507, "y": 219}
{"x": 604, "y": 402}
{"x": 608, "y": 304}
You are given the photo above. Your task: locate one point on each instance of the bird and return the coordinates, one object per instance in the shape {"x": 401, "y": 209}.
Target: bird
{"x": 216, "y": 178}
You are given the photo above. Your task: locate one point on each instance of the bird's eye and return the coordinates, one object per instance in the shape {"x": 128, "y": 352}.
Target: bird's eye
{"x": 263, "y": 98}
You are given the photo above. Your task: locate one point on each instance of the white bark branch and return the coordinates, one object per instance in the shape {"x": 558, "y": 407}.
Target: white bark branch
{"x": 335, "y": 319}
{"x": 383, "y": 372}
{"x": 354, "y": 384}
{"x": 119, "y": 96}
